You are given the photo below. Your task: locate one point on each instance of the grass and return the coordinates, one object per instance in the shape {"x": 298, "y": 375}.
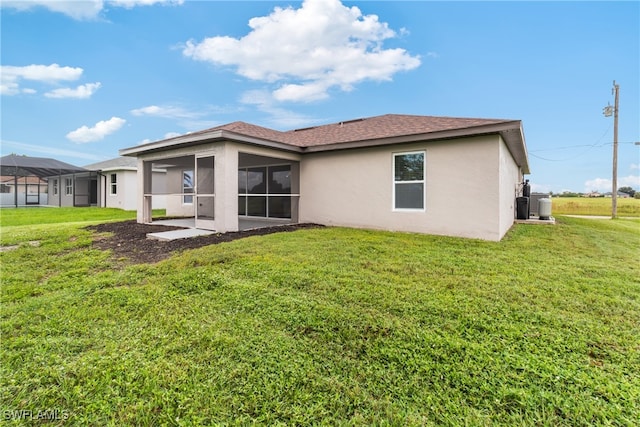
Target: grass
{"x": 594, "y": 206}
{"x": 28, "y": 216}
{"x": 328, "y": 326}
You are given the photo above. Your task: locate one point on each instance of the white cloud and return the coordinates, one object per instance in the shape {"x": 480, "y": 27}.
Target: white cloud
{"x": 278, "y": 117}
{"x": 80, "y": 92}
{"x": 79, "y": 10}
{"x": 605, "y": 184}
{"x": 85, "y": 10}
{"x": 189, "y": 119}
{"x": 167, "y": 112}
{"x": 129, "y": 4}
{"x": 50, "y": 151}
{"x": 11, "y": 76}
{"x": 166, "y": 136}
{"x": 629, "y": 181}
{"x": 597, "y": 184}
{"x": 634, "y": 166}
{"x": 321, "y": 45}
{"x": 96, "y": 133}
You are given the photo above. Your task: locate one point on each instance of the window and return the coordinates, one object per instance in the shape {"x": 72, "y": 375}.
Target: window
{"x": 265, "y": 191}
{"x": 4, "y": 188}
{"x": 114, "y": 183}
{"x": 68, "y": 186}
{"x": 408, "y": 181}
{"x": 187, "y": 187}
{"x": 55, "y": 187}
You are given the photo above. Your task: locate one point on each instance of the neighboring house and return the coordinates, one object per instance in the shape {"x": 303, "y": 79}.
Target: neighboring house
{"x": 31, "y": 190}
{"x": 73, "y": 189}
{"x": 111, "y": 183}
{"x": 619, "y": 194}
{"x": 118, "y": 186}
{"x": 28, "y": 168}
{"x": 436, "y": 175}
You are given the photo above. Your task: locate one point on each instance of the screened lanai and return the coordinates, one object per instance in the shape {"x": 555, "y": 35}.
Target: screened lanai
{"x": 215, "y": 192}
{"x": 17, "y": 167}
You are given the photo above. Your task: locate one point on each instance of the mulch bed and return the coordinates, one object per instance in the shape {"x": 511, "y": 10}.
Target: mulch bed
{"x": 128, "y": 239}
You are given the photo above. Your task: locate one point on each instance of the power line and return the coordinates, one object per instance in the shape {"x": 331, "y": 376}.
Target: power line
{"x": 567, "y": 147}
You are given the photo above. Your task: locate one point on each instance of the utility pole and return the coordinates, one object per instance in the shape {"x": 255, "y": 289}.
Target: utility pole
{"x": 607, "y": 112}
{"x": 614, "y": 193}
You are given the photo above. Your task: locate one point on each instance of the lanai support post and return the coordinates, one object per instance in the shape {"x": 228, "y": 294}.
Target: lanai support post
{"x": 145, "y": 213}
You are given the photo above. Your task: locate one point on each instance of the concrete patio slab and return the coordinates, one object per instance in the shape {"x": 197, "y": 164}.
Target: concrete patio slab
{"x": 537, "y": 221}
{"x": 190, "y": 230}
{"x": 179, "y": 234}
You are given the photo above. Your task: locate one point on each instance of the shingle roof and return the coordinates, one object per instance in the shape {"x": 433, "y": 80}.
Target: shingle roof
{"x": 118, "y": 162}
{"x": 379, "y": 127}
{"x": 378, "y": 130}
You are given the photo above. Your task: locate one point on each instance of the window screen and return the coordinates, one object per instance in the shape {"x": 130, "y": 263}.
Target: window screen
{"x": 409, "y": 181}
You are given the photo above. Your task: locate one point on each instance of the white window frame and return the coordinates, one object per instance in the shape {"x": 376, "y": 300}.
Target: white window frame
{"x": 68, "y": 186}
{"x": 55, "y": 187}
{"x": 423, "y": 181}
{"x": 113, "y": 184}
{"x": 186, "y": 195}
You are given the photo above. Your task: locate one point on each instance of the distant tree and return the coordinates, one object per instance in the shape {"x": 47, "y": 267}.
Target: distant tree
{"x": 637, "y": 195}
{"x": 630, "y": 191}
{"x": 569, "y": 194}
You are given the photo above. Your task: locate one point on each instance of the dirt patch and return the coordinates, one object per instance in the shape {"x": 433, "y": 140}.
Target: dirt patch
{"x": 128, "y": 239}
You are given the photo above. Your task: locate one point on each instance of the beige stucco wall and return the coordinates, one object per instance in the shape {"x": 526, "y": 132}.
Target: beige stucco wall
{"x": 174, "y": 203}
{"x": 354, "y": 188}
{"x": 79, "y": 193}
{"x": 470, "y": 186}
{"x": 125, "y": 197}
{"x": 127, "y": 190}
{"x": 510, "y": 178}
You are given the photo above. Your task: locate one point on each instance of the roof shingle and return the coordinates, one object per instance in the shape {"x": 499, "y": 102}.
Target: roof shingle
{"x": 379, "y": 127}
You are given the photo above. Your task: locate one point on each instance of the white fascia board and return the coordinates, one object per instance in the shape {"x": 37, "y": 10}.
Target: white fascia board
{"x": 203, "y": 138}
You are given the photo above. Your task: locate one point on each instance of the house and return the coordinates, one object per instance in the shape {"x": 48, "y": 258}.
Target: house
{"x": 31, "y": 190}
{"x": 435, "y": 175}
{"x": 110, "y": 183}
{"x": 619, "y": 194}
{"x": 118, "y": 183}
{"x": 35, "y": 170}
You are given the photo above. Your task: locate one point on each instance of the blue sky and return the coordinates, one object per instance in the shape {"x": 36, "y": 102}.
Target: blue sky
{"x": 81, "y": 80}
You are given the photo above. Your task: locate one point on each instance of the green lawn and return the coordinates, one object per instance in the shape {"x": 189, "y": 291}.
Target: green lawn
{"x": 594, "y": 206}
{"x": 46, "y": 215}
{"x": 328, "y": 326}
